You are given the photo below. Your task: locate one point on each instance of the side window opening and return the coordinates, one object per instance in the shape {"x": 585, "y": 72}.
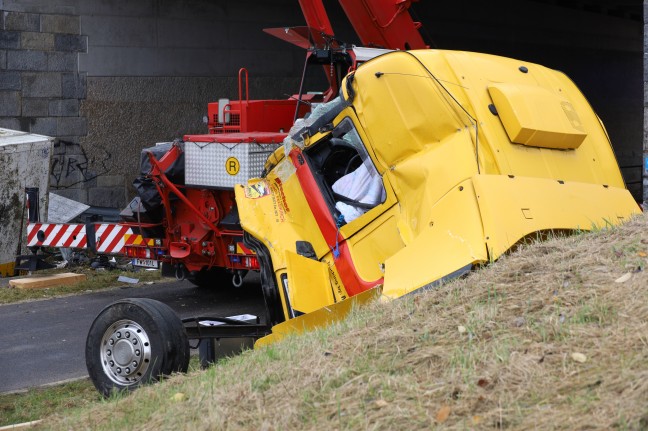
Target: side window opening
{"x": 346, "y": 173}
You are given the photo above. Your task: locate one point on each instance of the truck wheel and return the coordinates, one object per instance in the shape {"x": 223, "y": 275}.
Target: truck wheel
{"x": 135, "y": 341}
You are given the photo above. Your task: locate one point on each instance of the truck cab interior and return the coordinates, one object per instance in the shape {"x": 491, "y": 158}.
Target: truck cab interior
{"x": 345, "y": 174}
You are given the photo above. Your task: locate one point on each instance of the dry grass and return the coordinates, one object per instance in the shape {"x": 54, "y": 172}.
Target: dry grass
{"x": 502, "y": 348}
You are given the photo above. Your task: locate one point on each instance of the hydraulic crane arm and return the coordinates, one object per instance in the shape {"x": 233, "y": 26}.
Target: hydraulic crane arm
{"x": 384, "y": 23}
{"x": 316, "y": 17}
{"x": 378, "y": 23}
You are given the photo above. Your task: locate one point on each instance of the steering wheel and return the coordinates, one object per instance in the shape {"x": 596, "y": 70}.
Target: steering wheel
{"x": 352, "y": 165}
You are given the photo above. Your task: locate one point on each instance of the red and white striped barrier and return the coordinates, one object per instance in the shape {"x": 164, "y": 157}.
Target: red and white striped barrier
{"x": 109, "y": 237}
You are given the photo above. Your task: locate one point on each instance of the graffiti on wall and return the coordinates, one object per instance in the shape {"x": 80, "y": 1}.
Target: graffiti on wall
{"x": 71, "y": 167}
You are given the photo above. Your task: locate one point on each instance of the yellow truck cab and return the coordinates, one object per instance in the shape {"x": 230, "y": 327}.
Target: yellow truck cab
{"x": 428, "y": 164}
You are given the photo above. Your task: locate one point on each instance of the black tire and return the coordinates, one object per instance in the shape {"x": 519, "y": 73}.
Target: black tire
{"x": 133, "y": 342}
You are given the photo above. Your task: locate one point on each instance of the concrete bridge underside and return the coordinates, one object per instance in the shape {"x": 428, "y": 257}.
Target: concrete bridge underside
{"x": 109, "y": 77}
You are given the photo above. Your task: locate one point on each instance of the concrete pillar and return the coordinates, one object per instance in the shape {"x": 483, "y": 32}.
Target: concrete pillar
{"x": 41, "y": 88}
{"x": 40, "y": 47}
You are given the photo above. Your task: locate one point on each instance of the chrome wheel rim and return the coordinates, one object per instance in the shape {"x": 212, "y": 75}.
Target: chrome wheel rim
{"x": 125, "y": 352}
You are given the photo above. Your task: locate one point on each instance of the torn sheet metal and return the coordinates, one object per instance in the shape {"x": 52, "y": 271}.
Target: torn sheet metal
{"x": 63, "y": 210}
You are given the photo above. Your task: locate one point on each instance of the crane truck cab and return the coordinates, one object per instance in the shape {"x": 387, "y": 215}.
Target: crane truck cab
{"x": 428, "y": 164}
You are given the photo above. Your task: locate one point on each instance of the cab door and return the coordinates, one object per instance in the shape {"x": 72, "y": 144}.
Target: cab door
{"x": 358, "y": 220}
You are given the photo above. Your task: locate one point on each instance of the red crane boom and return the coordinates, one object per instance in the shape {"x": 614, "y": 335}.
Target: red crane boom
{"x": 378, "y": 23}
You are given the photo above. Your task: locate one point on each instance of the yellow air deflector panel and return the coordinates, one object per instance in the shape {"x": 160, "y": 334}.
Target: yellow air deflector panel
{"x": 537, "y": 117}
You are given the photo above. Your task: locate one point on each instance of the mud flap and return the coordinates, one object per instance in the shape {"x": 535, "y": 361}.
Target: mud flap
{"x": 318, "y": 318}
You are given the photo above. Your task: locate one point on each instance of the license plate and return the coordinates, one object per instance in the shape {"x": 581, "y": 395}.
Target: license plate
{"x": 147, "y": 263}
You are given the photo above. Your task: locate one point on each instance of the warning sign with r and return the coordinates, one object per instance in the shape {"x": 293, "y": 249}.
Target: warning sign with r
{"x": 232, "y": 166}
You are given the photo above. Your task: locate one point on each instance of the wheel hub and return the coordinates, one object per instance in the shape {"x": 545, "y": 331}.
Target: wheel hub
{"x": 125, "y": 352}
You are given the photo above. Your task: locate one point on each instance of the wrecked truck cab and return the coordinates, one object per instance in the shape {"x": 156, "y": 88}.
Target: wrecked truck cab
{"x": 300, "y": 217}
{"x": 463, "y": 155}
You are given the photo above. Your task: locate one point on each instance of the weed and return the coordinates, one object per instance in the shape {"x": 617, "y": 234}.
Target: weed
{"x": 597, "y": 313}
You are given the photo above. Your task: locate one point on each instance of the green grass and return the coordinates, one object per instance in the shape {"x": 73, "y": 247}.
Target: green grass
{"x": 40, "y": 402}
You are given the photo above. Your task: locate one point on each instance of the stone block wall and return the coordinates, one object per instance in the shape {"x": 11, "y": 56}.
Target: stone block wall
{"x": 40, "y": 84}
{"x": 110, "y": 77}
{"x": 41, "y": 87}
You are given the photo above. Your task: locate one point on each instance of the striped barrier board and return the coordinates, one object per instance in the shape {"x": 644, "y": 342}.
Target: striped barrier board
{"x": 110, "y": 238}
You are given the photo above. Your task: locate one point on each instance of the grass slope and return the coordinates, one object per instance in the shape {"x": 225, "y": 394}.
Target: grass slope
{"x": 20, "y": 407}
{"x": 552, "y": 336}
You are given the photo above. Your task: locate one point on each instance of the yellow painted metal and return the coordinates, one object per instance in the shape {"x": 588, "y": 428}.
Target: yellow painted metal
{"x": 275, "y": 210}
{"x": 451, "y": 238}
{"x": 135, "y": 239}
{"x": 335, "y": 283}
{"x": 318, "y": 318}
{"x": 373, "y": 236}
{"x": 402, "y": 109}
{"x": 514, "y": 207}
{"x": 421, "y": 182}
{"x": 305, "y": 278}
{"x": 410, "y": 101}
{"x": 7, "y": 269}
{"x": 371, "y": 246}
{"x": 537, "y": 117}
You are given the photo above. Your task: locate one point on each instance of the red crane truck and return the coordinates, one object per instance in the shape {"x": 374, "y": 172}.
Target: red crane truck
{"x": 185, "y": 215}
{"x": 438, "y": 152}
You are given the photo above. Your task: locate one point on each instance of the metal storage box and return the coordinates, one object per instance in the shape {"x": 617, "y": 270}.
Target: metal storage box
{"x": 25, "y": 162}
{"x": 221, "y": 164}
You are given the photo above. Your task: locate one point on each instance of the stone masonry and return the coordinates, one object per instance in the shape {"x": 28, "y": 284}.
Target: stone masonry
{"x": 40, "y": 84}
{"x": 110, "y": 77}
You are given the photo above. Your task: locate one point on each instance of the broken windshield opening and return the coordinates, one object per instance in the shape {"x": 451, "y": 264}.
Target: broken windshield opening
{"x": 345, "y": 173}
